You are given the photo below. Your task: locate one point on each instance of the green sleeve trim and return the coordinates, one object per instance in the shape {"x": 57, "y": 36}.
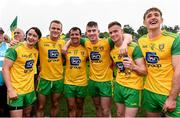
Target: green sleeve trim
{"x": 166, "y": 33}
{"x": 111, "y": 43}
{"x": 176, "y": 46}
{"x": 82, "y": 41}
{"x": 11, "y": 54}
{"x": 137, "y": 53}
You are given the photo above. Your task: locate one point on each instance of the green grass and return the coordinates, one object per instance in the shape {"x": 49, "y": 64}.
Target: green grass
{"x": 89, "y": 109}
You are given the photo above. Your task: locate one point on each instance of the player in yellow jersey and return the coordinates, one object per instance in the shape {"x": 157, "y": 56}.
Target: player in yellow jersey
{"x": 18, "y": 71}
{"x": 75, "y": 82}
{"x": 161, "y": 51}
{"x": 51, "y": 69}
{"x": 101, "y": 74}
{"x": 129, "y": 85}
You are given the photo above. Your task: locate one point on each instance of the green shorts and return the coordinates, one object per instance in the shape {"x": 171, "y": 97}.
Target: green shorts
{"x": 72, "y": 91}
{"x": 102, "y": 89}
{"x": 47, "y": 87}
{"x": 23, "y": 100}
{"x": 154, "y": 102}
{"x": 128, "y": 96}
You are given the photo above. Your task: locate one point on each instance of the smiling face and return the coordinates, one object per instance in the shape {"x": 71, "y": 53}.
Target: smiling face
{"x": 115, "y": 33}
{"x": 55, "y": 30}
{"x": 92, "y": 33}
{"x": 75, "y": 37}
{"x": 153, "y": 20}
{"x": 32, "y": 38}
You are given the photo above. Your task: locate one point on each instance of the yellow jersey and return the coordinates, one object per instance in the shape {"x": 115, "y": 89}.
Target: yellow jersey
{"x": 100, "y": 61}
{"x": 158, "y": 55}
{"x": 23, "y": 69}
{"x": 51, "y": 63}
{"x": 76, "y": 66}
{"x": 133, "y": 80}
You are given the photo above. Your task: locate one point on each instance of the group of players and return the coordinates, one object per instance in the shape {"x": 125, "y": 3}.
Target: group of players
{"x": 155, "y": 56}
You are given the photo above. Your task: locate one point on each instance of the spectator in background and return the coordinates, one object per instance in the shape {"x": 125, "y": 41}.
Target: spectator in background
{"x": 4, "y": 112}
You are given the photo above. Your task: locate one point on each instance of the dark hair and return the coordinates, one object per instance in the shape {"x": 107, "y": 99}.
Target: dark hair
{"x": 152, "y": 9}
{"x": 113, "y": 23}
{"x": 92, "y": 24}
{"x": 75, "y": 29}
{"x": 37, "y": 30}
{"x": 56, "y": 21}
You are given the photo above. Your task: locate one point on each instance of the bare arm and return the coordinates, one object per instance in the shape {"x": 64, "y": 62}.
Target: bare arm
{"x": 64, "y": 49}
{"x": 170, "y": 103}
{"x": 139, "y": 65}
{"x": 7, "y": 78}
{"x": 127, "y": 39}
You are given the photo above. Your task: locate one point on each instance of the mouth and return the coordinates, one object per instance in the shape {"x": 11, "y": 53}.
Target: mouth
{"x": 153, "y": 21}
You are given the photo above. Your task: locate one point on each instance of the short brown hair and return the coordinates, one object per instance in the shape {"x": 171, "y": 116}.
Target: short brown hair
{"x": 92, "y": 24}
{"x": 56, "y": 21}
{"x": 75, "y": 29}
{"x": 113, "y": 23}
{"x": 152, "y": 9}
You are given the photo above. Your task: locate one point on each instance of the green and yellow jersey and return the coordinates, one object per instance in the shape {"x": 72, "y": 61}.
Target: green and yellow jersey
{"x": 158, "y": 54}
{"x": 50, "y": 53}
{"x": 76, "y": 66}
{"x": 133, "y": 80}
{"x": 23, "y": 68}
{"x": 100, "y": 61}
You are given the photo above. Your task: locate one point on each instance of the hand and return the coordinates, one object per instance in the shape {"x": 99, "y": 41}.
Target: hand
{"x": 169, "y": 105}
{"x": 12, "y": 95}
{"x": 64, "y": 50}
{"x": 13, "y": 42}
{"x": 128, "y": 63}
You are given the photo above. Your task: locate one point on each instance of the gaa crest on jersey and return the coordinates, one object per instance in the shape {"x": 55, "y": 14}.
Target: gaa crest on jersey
{"x": 75, "y": 61}
{"x": 95, "y": 56}
{"x": 53, "y": 54}
{"x": 161, "y": 47}
{"x": 101, "y": 48}
{"x": 29, "y": 64}
{"x": 120, "y": 66}
{"x": 151, "y": 57}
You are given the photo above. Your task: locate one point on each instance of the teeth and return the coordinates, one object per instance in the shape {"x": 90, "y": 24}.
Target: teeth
{"x": 153, "y": 22}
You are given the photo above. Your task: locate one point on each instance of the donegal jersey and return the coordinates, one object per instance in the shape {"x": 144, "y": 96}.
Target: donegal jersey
{"x": 158, "y": 55}
{"x": 100, "y": 61}
{"x": 133, "y": 80}
{"x": 23, "y": 68}
{"x": 76, "y": 66}
{"x": 3, "y": 47}
{"x": 51, "y": 64}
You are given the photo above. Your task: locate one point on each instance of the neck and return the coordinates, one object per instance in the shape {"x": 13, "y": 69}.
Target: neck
{"x": 118, "y": 43}
{"x": 154, "y": 33}
{"x": 54, "y": 38}
{"x": 75, "y": 44}
{"x": 94, "y": 41}
{"x": 29, "y": 46}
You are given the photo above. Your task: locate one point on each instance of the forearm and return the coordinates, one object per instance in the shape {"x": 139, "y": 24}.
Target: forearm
{"x": 175, "y": 90}
{"x": 140, "y": 70}
{"x": 127, "y": 38}
{"x": 67, "y": 43}
{"x": 7, "y": 78}
{"x": 66, "y": 46}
